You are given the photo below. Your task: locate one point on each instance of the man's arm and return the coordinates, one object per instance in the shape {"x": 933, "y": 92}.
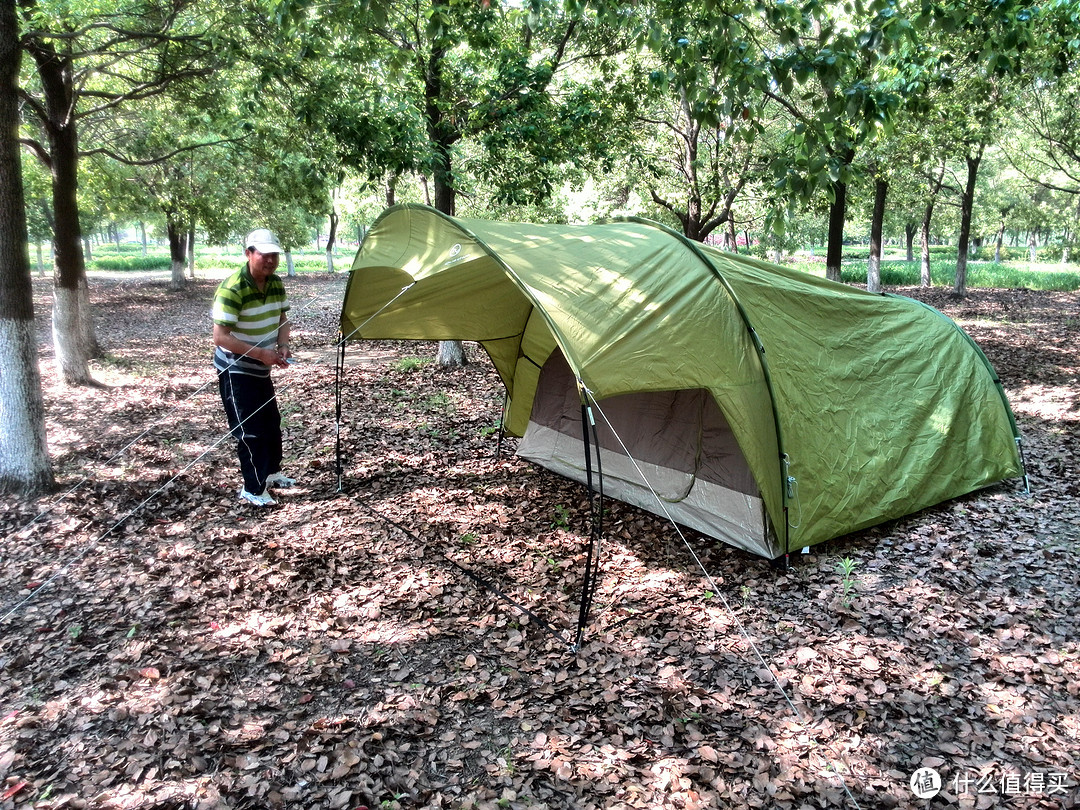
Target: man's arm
{"x": 284, "y": 329}
{"x": 224, "y": 338}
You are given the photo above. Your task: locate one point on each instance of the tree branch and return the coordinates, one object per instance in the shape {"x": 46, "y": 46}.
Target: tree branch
{"x": 158, "y": 159}
{"x": 38, "y": 149}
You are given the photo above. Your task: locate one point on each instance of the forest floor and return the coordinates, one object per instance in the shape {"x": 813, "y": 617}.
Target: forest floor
{"x": 164, "y": 645}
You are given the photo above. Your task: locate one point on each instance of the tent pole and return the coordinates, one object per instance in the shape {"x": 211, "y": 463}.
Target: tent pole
{"x": 338, "y": 382}
{"x": 502, "y": 425}
{"x": 592, "y": 558}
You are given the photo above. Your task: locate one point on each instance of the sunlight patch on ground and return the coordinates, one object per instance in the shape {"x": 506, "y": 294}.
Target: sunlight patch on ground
{"x": 1045, "y": 402}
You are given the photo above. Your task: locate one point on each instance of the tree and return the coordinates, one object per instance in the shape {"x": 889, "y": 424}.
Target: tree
{"x": 88, "y": 63}
{"x": 24, "y": 453}
{"x": 500, "y": 85}
{"x": 700, "y": 170}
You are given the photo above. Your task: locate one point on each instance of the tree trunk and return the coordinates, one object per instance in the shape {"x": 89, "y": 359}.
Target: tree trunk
{"x": 873, "y": 270}
{"x": 1067, "y": 241}
{"x": 909, "y": 240}
{"x": 442, "y": 136}
{"x": 1033, "y": 247}
{"x": 177, "y": 243}
{"x": 967, "y": 205}
{"x": 24, "y": 452}
{"x": 925, "y": 278}
{"x": 73, "y": 328}
{"x": 191, "y": 250}
{"x": 837, "y": 211}
{"x": 452, "y": 353}
{"x": 997, "y": 242}
{"x": 331, "y": 238}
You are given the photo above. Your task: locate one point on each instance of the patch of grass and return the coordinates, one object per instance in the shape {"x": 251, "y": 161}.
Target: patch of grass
{"x": 436, "y": 403}
{"x": 562, "y": 517}
{"x": 979, "y": 274}
{"x": 129, "y": 257}
{"x": 130, "y": 263}
{"x": 407, "y": 365}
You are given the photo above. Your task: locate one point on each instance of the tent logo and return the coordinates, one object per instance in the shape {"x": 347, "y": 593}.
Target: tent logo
{"x": 454, "y": 255}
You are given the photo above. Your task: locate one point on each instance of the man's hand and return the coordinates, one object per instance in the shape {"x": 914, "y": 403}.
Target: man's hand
{"x": 272, "y": 357}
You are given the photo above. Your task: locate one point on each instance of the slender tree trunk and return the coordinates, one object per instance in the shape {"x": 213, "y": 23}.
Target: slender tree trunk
{"x": 997, "y": 241}
{"x": 191, "y": 250}
{"x": 1071, "y": 235}
{"x": 331, "y": 238}
{"x": 442, "y": 136}
{"x": 1033, "y": 247}
{"x": 910, "y": 230}
{"x": 177, "y": 243}
{"x": 873, "y": 270}
{"x": 24, "y": 452}
{"x": 926, "y": 279}
{"x": 967, "y": 206}
{"x": 837, "y": 212}
{"x": 73, "y": 327}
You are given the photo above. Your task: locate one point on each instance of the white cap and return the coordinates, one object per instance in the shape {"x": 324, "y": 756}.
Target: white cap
{"x": 263, "y": 241}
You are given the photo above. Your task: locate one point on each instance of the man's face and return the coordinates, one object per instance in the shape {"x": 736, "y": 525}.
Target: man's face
{"x": 261, "y": 265}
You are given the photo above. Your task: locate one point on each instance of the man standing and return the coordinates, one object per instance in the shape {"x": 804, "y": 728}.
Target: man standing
{"x": 251, "y": 335}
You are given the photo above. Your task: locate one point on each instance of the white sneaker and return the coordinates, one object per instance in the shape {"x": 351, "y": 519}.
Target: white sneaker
{"x": 280, "y": 481}
{"x": 262, "y": 499}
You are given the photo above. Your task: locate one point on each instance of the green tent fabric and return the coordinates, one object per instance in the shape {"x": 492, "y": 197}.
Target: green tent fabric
{"x": 781, "y": 409}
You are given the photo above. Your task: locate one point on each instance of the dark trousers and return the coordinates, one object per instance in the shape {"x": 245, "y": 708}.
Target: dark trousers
{"x": 254, "y": 421}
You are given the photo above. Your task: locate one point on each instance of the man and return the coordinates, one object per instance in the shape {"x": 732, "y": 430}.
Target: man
{"x": 251, "y": 336}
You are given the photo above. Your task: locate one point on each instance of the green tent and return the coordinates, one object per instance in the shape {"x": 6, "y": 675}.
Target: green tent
{"x": 763, "y": 406}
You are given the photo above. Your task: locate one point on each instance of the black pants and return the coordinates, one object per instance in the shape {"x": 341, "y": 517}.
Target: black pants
{"x": 254, "y": 421}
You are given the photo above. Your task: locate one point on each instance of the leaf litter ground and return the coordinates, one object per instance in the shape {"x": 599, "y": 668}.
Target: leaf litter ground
{"x": 401, "y": 641}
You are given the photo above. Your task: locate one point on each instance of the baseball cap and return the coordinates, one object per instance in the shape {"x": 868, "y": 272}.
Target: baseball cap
{"x": 263, "y": 241}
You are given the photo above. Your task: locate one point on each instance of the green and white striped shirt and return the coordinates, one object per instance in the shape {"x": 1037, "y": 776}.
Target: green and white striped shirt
{"x": 252, "y": 316}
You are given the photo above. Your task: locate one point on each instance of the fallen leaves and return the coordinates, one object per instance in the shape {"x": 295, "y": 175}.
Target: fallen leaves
{"x": 334, "y": 653}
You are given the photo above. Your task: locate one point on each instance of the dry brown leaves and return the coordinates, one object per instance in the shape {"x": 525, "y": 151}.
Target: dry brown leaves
{"x": 180, "y": 650}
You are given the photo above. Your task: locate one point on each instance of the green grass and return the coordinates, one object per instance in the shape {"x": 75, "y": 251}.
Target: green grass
{"x": 129, "y": 257}
{"x": 979, "y": 274}
{"x": 133, "y": 263}
{"x": 894, "y": 272}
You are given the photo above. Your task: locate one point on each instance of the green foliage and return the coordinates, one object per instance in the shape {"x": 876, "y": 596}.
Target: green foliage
{"x": 848, "y": 583}
{"x": 562, "y": 517}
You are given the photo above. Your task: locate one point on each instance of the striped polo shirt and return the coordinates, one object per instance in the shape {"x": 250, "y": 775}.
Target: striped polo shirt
{"x": 251, "y": 315}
